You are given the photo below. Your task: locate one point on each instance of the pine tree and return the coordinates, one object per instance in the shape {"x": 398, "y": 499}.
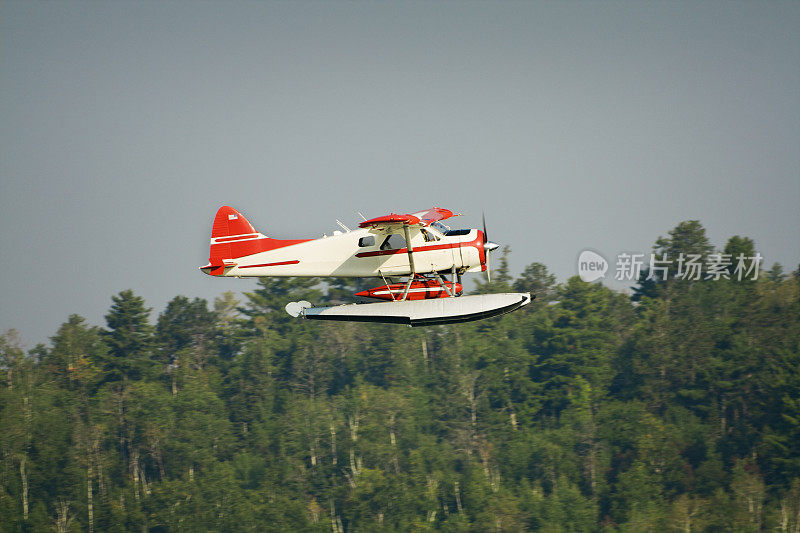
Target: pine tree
{"x": 538, "y": 281}
{"x": 129, "y": 338}
{"x": 77, "y": 355}
{"x": 183, "y": 323}
{"x": 686, "y": 240}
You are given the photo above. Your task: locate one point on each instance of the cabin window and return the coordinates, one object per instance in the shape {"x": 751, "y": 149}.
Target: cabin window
{"x": 393, "y": 242}
{"x": 369, "y": 240}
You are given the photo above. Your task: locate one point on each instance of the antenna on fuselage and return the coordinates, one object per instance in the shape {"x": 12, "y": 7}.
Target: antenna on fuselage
{"x": 345, "y": 228}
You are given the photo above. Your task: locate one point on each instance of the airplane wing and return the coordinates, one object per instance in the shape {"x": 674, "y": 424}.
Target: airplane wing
{"x": 420, "y": 219}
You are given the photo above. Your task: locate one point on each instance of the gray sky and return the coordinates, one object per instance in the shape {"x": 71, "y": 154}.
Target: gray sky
{"x": 125, "y": 125}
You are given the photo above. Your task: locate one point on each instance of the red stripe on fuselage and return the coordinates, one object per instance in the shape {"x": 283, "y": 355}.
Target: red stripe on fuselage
{"x": 417, "y": 249}
{"x": 243, "y": 248}
{"x": 294, "y": 262}
{"x": 475, "y": 243}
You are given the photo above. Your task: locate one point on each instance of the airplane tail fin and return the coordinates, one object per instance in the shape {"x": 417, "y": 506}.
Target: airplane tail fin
{"x": 232, "y": 237}
{"x": 230, "y": 223}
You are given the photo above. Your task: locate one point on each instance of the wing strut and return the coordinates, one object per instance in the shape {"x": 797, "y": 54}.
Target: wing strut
{"x": 388, "y": 288}
{"x": 410, "y": 262}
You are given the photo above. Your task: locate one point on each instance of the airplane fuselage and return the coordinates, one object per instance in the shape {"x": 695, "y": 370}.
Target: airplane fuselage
{"x": 357, "y": 253}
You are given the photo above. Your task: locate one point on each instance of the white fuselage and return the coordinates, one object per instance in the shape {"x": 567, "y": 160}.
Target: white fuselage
{"x": 364, "y": 253}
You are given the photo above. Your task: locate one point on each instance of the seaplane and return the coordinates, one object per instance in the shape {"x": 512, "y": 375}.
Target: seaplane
{"x": 413, "y": 254}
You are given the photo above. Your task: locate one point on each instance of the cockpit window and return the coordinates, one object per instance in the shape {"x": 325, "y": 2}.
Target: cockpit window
{"x": 428, "y": 236}
{"x": 369, "y": 240}
{"x": 449, "y": 232}
{"x": 393, "y": 242}
{"x": 441, "y": 228}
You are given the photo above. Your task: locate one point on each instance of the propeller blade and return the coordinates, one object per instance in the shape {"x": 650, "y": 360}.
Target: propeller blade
{"x": 488, "y": 248}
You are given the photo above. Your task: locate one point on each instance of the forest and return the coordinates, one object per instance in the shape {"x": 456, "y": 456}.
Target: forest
{"x": 673, "y": 408}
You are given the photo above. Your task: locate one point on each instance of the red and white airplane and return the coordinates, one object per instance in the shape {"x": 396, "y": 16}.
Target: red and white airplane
{"x": 417, "y": 246}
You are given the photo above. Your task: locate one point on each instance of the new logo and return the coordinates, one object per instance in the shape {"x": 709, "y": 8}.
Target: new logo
{"x": 591, "y": 266}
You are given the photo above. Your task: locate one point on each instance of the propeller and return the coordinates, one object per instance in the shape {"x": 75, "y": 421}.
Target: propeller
{"x": 488, "y": 246}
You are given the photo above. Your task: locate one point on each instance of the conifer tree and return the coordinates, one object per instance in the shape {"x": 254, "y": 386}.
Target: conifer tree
{"x": 129, "y": 338}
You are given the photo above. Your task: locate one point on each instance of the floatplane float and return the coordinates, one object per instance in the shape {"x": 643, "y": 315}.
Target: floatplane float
{"x": 417, "y": 246}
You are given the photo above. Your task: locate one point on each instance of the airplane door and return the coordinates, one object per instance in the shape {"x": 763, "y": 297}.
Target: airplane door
{"x": 393, "y": 255}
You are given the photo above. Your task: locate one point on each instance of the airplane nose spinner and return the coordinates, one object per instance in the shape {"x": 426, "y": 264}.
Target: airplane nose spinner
{"x": 490, "y": 246}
